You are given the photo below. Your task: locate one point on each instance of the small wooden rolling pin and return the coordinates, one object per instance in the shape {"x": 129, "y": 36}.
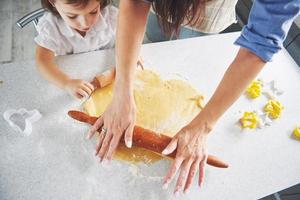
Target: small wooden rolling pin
{"x": 146, "y": 139}
{"x": 108, "y": 76}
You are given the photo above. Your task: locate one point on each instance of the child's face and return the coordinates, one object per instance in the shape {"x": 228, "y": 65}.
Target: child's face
{"x": 79, "y": 18}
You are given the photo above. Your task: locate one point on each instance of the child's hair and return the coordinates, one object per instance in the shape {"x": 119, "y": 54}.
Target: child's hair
{"x": 48, "y": 6}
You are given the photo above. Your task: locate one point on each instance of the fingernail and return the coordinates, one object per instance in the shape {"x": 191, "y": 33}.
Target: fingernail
{"x": 165, "y": 152}
{"x": 176, "y": 193}
{"x": 88, "y": 136}
{"x": 129, "y": 143}
{"x": 104, "y": 162}
{"x": 186, "y": 191}
{"x": 165, "y": 186}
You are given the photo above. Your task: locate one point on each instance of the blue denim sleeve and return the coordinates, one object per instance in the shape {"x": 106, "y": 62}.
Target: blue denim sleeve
{"x": 268, "y": 25}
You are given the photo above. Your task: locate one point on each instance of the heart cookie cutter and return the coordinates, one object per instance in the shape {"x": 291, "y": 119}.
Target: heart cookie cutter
{"x": 21, "y": 120}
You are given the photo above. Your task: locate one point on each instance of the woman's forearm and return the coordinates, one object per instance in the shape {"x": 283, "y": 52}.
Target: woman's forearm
{"x": 130, "y": 33}
{"x": 240, "y": 73}
{"x": 47, "y": 67}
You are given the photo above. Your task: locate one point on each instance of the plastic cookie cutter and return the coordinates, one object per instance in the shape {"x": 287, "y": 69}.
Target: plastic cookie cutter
{"x": 21, "y": 120}
{"x": 264, "y": 119}
{"x": 271, "y": 89}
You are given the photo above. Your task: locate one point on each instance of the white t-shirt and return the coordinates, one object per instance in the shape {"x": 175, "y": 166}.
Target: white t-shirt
{"x": 55, "y": 35}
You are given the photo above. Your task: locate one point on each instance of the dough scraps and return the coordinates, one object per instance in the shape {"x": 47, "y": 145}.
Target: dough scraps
{"x": 273, "y": 108}
{"x": 254, "y": 90}
{"x": 249, "y": 120}
{"x": 296, "y": 132}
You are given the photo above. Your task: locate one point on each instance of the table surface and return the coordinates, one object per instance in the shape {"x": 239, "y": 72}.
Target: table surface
{"x": 56, "y": 162}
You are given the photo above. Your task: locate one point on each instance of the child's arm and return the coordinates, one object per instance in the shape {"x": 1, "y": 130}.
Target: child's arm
{"x": 51, "y": 72}
{"x": 48, "y": 69}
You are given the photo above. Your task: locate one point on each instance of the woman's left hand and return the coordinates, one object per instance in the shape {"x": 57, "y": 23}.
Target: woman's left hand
{"x": 191, "y": 154}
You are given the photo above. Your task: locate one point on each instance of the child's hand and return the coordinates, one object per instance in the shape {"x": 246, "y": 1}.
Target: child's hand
{"x": 79, "y": 88}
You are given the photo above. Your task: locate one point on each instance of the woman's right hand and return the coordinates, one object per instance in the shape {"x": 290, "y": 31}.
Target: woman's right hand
{"x": 118, "y": 119}
{"x": 79, "y": 88}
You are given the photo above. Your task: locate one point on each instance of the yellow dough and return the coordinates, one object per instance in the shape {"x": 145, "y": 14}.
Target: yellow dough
{"x": 249, "y": 120}
{"x": 254, "y": 90}
{"x": 297, "y": 132}
{"x": 163, "y": 106}
{"x": 273, "y": 108}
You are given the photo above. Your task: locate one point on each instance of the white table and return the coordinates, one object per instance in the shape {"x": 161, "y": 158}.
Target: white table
{"x": 56, "y": 162}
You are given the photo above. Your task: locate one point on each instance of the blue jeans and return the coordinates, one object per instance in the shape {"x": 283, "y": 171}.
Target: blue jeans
{"x": 155, "y": 34}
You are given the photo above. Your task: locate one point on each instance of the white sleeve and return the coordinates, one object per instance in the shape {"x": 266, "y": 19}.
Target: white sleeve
{"x": 47, "y": 34}
{"x": 113, "y": 17}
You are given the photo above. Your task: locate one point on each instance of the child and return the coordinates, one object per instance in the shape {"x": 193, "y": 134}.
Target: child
{"x": 73, "y": 26}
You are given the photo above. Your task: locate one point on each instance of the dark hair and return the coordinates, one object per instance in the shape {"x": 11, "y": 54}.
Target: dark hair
{"x": 48, "y": 6}
{"x": 172, "y": 14}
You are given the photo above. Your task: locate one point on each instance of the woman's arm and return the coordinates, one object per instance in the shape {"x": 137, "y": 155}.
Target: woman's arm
{"x": 130, "y": 33}
{"x": 190, "y": 141}
{"x": 48, "y": 68}
{"x": 119, "y": 117}
{"x": 51, "y": 72}
{"x": 237, "y": 77}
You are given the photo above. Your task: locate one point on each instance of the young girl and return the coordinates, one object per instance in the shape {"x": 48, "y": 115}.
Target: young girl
{"x": 73, "y": 26}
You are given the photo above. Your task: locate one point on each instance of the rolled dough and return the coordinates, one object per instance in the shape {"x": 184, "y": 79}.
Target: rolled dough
{"x": 163, "y": 106}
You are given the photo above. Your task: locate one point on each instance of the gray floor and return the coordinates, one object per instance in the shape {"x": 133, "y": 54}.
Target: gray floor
{"x": 292, "y": 193}
{"x": 17, "y": 45}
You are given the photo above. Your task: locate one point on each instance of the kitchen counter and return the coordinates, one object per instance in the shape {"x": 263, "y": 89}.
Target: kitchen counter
{"x": 57, "y": 162}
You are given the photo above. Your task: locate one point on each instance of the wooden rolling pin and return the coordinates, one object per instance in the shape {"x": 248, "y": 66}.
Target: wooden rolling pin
{"x": 146, "y": 139}
{"x": 104, "y": 79}
{"x": 108, "y": 76}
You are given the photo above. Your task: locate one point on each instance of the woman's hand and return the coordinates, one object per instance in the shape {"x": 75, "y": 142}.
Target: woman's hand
{"x": 79, "y": 88}
{"x": 118, "y": 119}
{"x": 191, "y": 154}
